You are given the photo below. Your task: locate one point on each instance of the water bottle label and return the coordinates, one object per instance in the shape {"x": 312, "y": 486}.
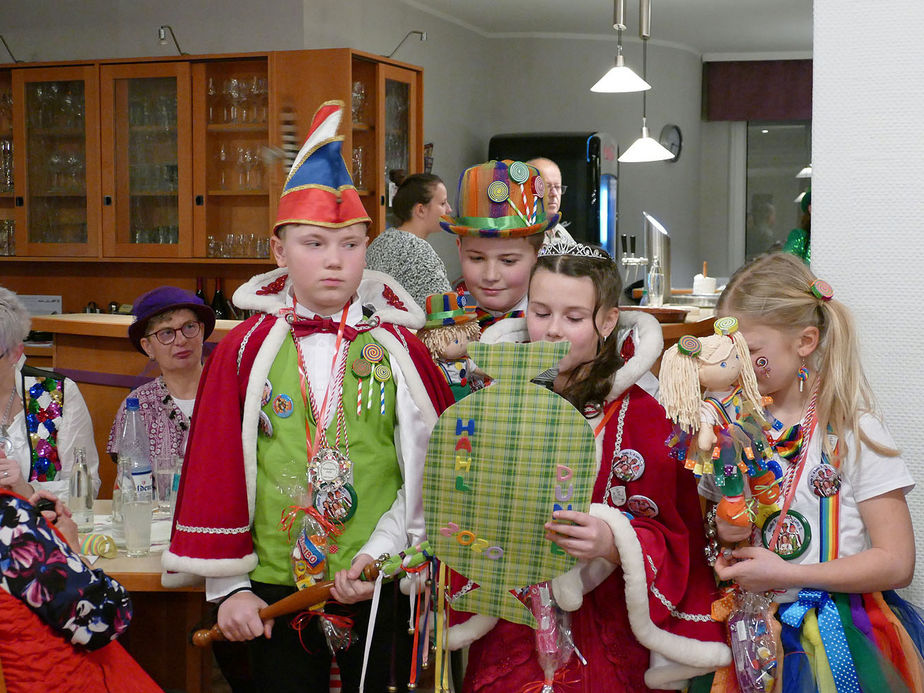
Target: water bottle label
{"x": 144, "y": 482}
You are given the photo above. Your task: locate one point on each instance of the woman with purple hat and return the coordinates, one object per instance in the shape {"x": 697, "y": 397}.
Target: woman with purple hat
{"x": 170, "y": 327}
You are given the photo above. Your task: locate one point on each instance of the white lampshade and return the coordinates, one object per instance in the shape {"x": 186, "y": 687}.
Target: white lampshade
{"x": 805, "y": 172}
{"x": 645, "y": 149}
{"x": 799, "y": 197}
{"x": 620, "y": 79}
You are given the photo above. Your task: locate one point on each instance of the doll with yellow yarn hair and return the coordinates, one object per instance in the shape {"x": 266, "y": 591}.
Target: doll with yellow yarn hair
{"x": 709, "y": 390}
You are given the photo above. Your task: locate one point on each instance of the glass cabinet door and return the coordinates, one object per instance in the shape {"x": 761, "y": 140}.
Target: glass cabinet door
{"x": 398, "y": 129}
{"x": 146, "y": 160}
{"x": 56, "y": 189}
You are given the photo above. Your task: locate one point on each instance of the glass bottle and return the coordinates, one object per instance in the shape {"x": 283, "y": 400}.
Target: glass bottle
{"x": 655, "y": 284}
{"x": 200, "y": 289}
{"x": 136, "y": 482}
{"x": 220, "y": 304}
{"x": 80, "y": 499}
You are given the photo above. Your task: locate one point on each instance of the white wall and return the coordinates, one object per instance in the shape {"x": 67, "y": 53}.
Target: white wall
{"x": 868, "y": 167}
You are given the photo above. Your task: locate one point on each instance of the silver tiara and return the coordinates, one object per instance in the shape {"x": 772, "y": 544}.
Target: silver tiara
{"x": 575, "y": 249}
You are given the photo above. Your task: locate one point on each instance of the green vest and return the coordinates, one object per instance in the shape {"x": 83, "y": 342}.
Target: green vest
{"x": 282, "y": 463}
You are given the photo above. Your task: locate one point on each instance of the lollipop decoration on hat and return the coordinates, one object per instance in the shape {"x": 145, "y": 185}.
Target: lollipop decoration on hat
{"x": 500, "y": 199}
{"x": 726, "y": 420}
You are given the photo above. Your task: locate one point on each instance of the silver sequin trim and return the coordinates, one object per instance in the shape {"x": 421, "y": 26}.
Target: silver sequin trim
{"x": 465, "y": 589}
{"x": 240, "y": 351}
{"x": 700, "y": 618}
{"x": 212, "y": 530}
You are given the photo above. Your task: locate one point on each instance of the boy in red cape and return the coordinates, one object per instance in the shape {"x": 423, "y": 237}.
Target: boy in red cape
{"x": 330, "y": 344}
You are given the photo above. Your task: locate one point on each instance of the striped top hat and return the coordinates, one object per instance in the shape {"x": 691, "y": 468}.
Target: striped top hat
{"x": 500, "y": 199}
{"x": 319, "y": 190}
{"x": 449, "y": 308}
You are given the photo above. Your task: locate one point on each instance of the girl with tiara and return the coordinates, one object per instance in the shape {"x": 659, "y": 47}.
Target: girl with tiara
{"x": 843, "y": 539}
{"x": 641, "y": 590}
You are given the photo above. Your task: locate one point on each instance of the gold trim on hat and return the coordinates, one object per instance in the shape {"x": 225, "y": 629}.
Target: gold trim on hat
{"x": 324, "y": 224}
{"x": 318, "y": 186}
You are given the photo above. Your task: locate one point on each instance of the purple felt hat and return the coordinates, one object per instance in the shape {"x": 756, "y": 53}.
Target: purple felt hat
{"x": 162, "y": 299}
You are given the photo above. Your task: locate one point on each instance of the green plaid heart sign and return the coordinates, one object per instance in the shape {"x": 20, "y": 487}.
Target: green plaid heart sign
{"x": 499, "y": 462}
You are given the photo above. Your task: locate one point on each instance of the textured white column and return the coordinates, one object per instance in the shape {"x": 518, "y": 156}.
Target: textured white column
{"x": 868, "y": 203}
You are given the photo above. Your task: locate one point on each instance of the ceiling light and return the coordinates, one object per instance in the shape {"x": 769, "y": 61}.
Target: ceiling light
{"x": 764, "y": 132}
{"x": 645, "y": 148}
{"x": 805, "y": 172}
{"x": 619, "y": 79}
{"x": 799, "y": 197}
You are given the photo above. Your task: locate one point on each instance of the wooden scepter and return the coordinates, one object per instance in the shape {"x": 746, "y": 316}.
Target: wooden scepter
{"x": 297, "y": 601}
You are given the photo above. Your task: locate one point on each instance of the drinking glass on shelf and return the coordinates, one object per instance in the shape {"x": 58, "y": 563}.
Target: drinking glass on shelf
{"x": 358, "y": 154}
{"x": 223, "y": 156}
{"x": 212, "y": 100}
{"x": 257, "y": 94}
{"x": 358, "y": 101}
{"x": 232, "y": 91}
{"x": 211, "y": 246}
{"x": 6, "y": 165}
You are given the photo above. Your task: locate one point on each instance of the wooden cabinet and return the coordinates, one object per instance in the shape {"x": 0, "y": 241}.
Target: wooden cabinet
{"x": 56, "y": 170}
{"x": 146, "y": 162}
{"x": 382, "y": 127}
{"x": 152, "y": 160}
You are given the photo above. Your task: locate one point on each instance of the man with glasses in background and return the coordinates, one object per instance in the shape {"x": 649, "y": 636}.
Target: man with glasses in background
{"x": 551, "y": 175}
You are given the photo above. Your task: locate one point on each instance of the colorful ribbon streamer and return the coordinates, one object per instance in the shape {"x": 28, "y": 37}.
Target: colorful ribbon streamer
{"x": 832, "y": 635}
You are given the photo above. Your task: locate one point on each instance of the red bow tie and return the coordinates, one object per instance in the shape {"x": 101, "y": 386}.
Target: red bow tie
{"x": 302, "y": 327}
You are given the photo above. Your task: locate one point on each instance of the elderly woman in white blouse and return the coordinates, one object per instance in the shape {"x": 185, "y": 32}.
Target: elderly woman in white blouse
{"x": 43, "y": 417}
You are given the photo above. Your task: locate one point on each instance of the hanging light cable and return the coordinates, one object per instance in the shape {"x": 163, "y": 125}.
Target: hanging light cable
{"x": 645, "y": 148}
{"x": 620, "y": 79}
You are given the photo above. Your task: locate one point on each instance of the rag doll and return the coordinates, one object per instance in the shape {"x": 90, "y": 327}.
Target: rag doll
{"x": 451, "y": 326}
{"x": 709, "y": 390}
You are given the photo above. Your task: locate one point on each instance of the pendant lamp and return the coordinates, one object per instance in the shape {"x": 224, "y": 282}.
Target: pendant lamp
{"x": 620, "y": 79}
{"x": 805, "y": 172}
{"x": 645, "y": 148}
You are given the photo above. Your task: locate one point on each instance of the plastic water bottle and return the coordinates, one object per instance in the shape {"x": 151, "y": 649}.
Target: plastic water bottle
{"x": 80, "y": 499}
{"x": 136, "y": 482}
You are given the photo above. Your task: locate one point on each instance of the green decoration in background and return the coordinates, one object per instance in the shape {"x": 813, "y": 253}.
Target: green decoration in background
{"x": 498, "y": 464}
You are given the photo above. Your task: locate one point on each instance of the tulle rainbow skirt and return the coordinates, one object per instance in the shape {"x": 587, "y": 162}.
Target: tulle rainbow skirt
{"x": 841, "y": 643}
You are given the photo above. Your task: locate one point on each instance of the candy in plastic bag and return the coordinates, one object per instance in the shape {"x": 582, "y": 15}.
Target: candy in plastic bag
{"x": 752, "y": 642}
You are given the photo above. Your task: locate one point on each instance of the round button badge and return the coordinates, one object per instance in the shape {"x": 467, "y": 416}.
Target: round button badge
{"x": 794, "y": 538}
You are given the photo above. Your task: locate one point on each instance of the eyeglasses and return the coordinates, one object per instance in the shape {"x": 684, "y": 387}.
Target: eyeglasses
{"x": 168, "y": 334}
{"x": 560, "y": 189}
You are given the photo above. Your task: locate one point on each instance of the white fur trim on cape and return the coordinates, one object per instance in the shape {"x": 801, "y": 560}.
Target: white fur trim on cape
{"x": 682, "y": 654}
{"x": 370, "y": 294}
{"x": 173, "y": 581}
{"x": 464, "y": 634}
{"x": 208, "y": 567}
{"x": 647, "y": 350}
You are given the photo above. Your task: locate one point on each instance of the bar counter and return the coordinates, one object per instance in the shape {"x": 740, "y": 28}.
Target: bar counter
{"x": 93, "y": 350}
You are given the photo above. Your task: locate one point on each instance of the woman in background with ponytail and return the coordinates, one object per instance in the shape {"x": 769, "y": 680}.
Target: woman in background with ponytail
{"x": 403, "y": 252}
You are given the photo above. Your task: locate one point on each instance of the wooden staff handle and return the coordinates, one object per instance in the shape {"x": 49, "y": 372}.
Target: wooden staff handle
{"x": 297, "y": 601}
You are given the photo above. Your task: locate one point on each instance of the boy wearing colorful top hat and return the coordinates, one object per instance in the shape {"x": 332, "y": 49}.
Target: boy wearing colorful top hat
{"x": 328, "y": 335}
{"x": 500, "y": 228}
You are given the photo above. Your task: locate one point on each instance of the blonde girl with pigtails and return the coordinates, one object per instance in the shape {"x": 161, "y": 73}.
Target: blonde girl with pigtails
{"x": 709, "y": 390}
{"x": 843, "y": 539}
